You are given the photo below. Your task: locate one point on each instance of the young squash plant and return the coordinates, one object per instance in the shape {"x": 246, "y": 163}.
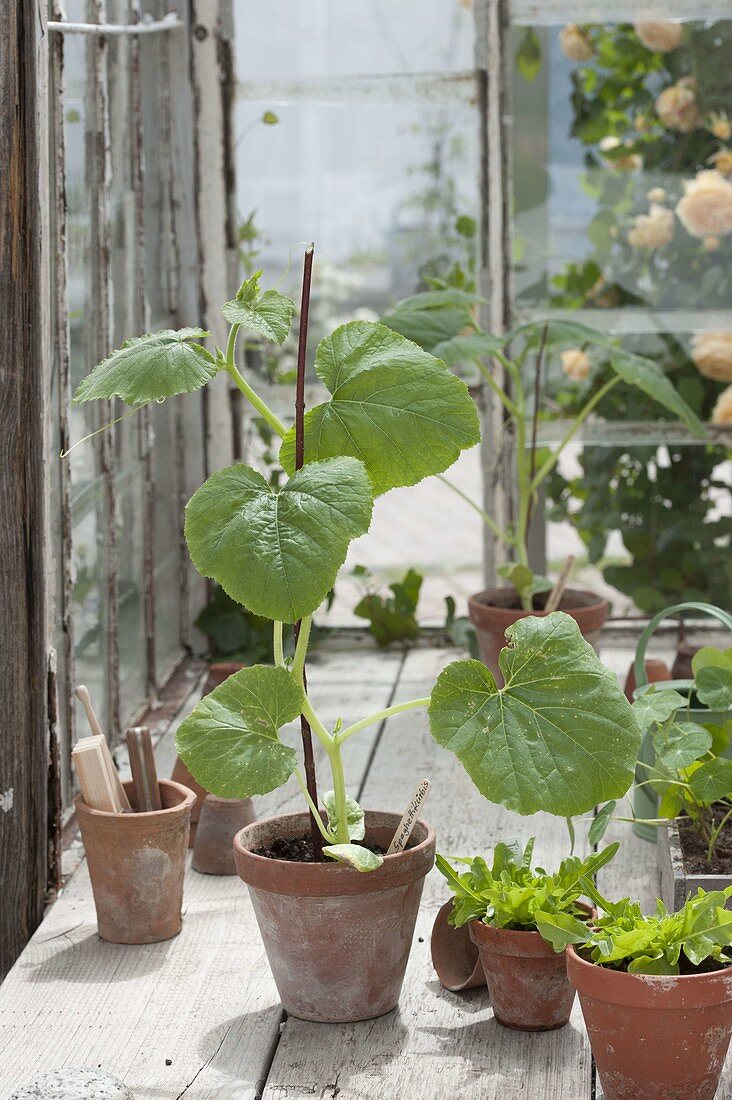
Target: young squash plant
{"x": 559, "y": 736}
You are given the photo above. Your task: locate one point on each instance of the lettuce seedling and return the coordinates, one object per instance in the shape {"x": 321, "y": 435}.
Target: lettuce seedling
{"x": 509, "y": 894}
{"x": 662, "y": 943}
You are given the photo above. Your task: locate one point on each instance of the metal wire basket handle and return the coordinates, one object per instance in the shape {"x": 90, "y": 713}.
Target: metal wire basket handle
{"x": 640, "y": 654}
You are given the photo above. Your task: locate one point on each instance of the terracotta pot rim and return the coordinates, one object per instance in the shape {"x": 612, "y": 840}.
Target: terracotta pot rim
{"x": 525, "y": 941}
{"x": 655, "y": 991}
{"x": 277, "y": 875}
{"x": 186, "y": 802}
{"x": 478, "y": 598}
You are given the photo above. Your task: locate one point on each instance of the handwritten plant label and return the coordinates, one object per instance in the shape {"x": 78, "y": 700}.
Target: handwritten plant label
{"x": 409, "y": 820}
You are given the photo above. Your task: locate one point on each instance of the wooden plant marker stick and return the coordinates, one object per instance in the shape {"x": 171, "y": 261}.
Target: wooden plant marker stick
{"x": 410, "y": 818}
{"x": 144, "y": 772}
{"x": 82, "y": 693}
{"x": 97, "y": 786}
{"x": 302, "y": 347}
{"x": 555, "y": 596}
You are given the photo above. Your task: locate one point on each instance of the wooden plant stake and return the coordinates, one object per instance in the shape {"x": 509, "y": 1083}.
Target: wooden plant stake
{"x": 555, "y": 596}
{"x": 302, "y": 347}
{"x": 92, "y": 759}
{"x": 144, "y": 772}
{"x": 82, "y": 694}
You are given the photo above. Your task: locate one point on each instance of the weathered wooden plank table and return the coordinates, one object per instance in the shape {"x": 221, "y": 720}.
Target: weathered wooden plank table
{"x": 199, "y": 1016}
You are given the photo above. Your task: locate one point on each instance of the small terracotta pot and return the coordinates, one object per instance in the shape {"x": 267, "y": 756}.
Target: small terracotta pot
{"x": 220, "y": 671}
{"x": 217, "y": 673}
{"x": 182, "y": 776}
{"x": 656, "y": 673}
{"x": 526, "y": 977}
{"x": 655, "y": 1037}
{"x": 136, "y": 865}
{"x": 221, "y": 819}
{"x": 454, "y": 955}
{"x": 337, "y": 939}
{"x": 491, "y": 614}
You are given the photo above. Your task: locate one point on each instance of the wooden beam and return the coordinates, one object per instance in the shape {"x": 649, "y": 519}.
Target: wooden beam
{"x": 24, "y": 320}
{"x": 212, "y": 72}
{"x": 491, "y": 25}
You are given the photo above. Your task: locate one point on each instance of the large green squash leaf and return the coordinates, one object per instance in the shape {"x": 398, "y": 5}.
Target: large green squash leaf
{"x": 560, "y": 736}
{"x": 433, "y": 316}
{"x": 230, "y": 741}
{"x": 648, "y": 377}
{"x": 151, "y": 368}
{"x": 395, "y": 407}
{"x": 269, "y": 313}
{"x": 278, "y": 552}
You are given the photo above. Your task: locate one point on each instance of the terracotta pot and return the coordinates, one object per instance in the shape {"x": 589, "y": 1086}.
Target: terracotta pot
{"x": 656, "y": 673}
{"x": 337, "y": 939}
{"x": 220, "y": 671}
{"x": 491, "y": 613}
{"x": 454, "y": 955}
{"x": 182, "y": 776}
{"x": 526, "y": 977}
{"x": 217, "y": 673}
{"x": 655, "y": 1037}
{"x": 221, "y": 819}
{"x": 136, "y": 865}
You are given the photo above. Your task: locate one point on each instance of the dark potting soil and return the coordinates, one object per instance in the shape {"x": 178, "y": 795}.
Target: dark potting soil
{"x": 299, "y": 849}
{"x": 694, "y": 849}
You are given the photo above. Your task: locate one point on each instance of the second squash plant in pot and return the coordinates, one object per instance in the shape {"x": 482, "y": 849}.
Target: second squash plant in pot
{"x": 524, "y": 356}
{"x": 526, "y": 977}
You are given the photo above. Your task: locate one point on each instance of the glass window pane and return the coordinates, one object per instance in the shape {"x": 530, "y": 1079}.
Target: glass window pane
{"x": 623, "y": 219}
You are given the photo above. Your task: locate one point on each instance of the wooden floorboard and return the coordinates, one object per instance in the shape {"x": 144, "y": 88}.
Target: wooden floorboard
{"x": 206, "y": 1002}
{"x": 436, "y": 1044}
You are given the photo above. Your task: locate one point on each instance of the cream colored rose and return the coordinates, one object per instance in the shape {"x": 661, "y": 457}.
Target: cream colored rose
{"x": 722, "y": 411}
{"x": 652, "y": 230}
{"x": 656, "y": 194}
{"x": 677, "y": 108}
{"x": 712, "y": 354}
{"x": 630, "y": 161}
{"x": 720, "y": 126}
{"x": 662, "y": 36}
{"x": 723, "y": 161}
{"x": 575, "y": 364}
{"x": 706, "y": 207}
{"x": 575, "y": 44}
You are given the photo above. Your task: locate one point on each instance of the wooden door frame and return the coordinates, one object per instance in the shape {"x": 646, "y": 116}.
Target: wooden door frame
{"x": 24, "y": 380}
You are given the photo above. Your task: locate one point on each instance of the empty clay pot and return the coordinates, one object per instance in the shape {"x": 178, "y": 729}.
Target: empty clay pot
{"x": 217, "y": 673}
{"x": 491, "y": 613}
{"x": 136, "y": 865}
{"x": 656, "y": 672}
{"x": 655, "y": 1036}
{"x": 454, "y": 955}
{"x": 526, "y": 977}
{"x": 182, "y": 776}
{"x": 337, "y": 939}
{"x": 221, "y": 819}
